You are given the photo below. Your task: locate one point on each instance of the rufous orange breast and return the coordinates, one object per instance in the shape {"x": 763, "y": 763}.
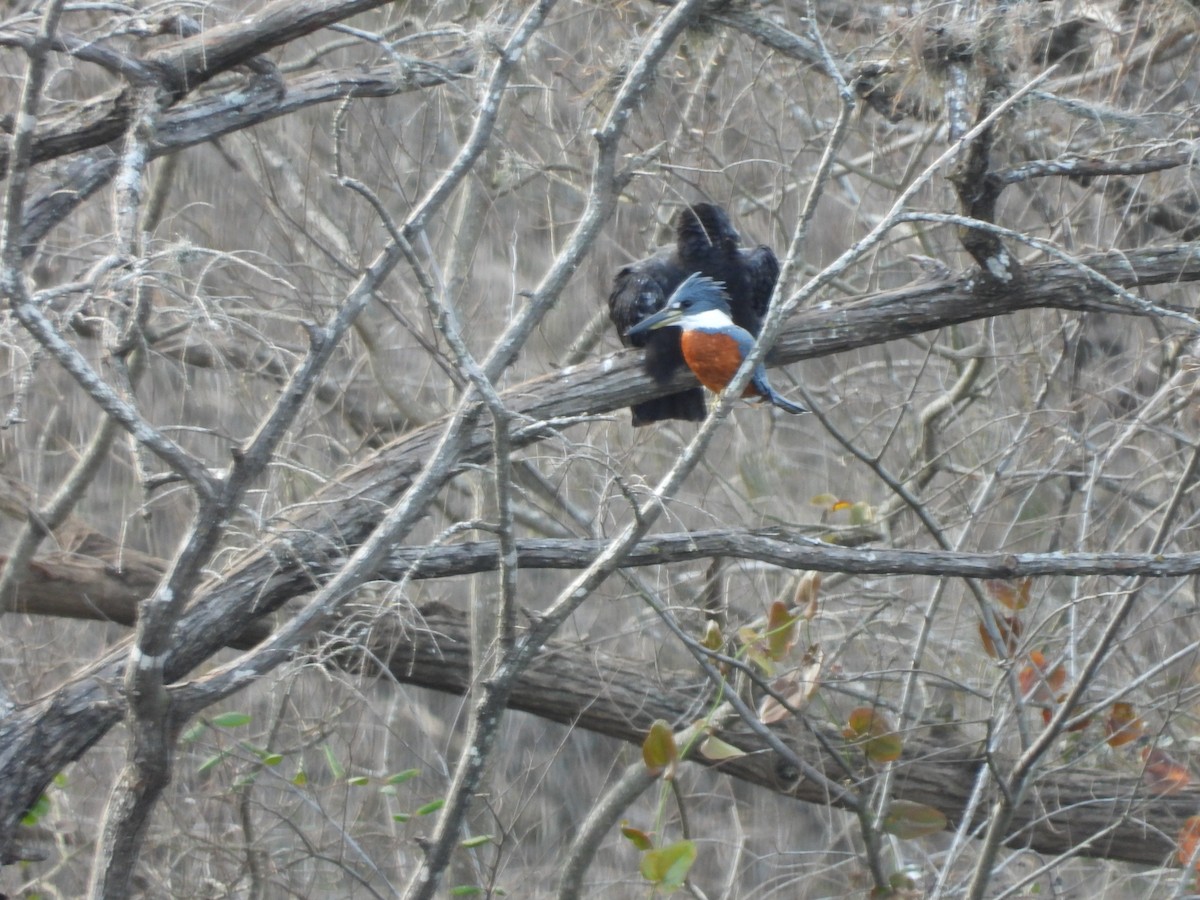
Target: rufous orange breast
{"x": 714, "y": 358}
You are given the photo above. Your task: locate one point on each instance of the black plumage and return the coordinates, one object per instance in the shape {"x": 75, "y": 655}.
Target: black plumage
{"x": 705, "y": 242}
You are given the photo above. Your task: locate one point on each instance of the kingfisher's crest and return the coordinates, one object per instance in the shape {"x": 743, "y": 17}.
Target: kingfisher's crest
{"x": 698, "y": 302}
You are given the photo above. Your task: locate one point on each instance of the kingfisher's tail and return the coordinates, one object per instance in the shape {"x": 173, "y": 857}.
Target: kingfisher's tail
{"x": 787, "y": 405}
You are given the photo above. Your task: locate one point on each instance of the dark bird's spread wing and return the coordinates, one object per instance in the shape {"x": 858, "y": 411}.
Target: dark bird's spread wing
{"x": 704, "y": 236}
{"x": 705, "y": 242}
{"x": 762, "y": 272}
{"x": 640, "y": 290}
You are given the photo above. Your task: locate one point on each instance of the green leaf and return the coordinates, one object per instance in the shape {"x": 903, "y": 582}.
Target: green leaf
{"x": 359, "y": 781}
{"x": 907, "y": 819}
{"x": 300, "y": 779}
{"x": 231, "y": 720}
{"x": 272, "y": 759}
{"x": 668, "y": 866}
{"x": 431, "y": 807}
{"x": 40, "y": 807}
{"x": 466, "y": 890}
{"x": 659, "y": 751}
{"x": 478, "y": 841}
{"x": 193, "y": 734}
{"x": 401, "y": 777}
{"x": 401, "y": 817}
{"x": 211, "y": 763}
{"x": 335, "y": 767}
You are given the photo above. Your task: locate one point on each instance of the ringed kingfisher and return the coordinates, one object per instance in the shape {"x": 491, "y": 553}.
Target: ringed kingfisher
{"x": 712, "y": 344}
{"x": 705, "y": 242}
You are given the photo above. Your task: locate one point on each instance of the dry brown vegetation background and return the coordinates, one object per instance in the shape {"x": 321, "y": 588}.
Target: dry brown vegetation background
{"x": 303, "y": 297}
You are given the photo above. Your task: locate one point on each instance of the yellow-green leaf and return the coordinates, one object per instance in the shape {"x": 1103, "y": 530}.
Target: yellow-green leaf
{"x": 872, "y": 728}
{"x": 861, "y": 513}
{"x": 478, "y": 841}
{"x": 659, "y": 750}
{"x": 716, "y": 749}
{"x": 907, "y": 819}
{"x": 637, "y": 837}
{"x": 713, "y": 639}
{"x": 859, "y": 722}
{"x": 231, "y": 720}
{"x": 668, "y": 866}
{"x": 885, "y": 748}
{"x": 335, "y": 768}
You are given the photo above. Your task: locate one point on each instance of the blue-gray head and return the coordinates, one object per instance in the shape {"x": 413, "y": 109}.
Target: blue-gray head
{"x": 697, "y": 295}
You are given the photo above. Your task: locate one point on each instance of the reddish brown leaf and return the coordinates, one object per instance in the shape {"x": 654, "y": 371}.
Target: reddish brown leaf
{"x": 1039, "y": 685}
{"x": 1048, "y": 714}
{"x": 1163, "y": 774}
{"x": 1013, "y": 594}
{"x": 1009, "y": 628}
{"x": 781, "y": 630}
{"x": 1188, "y": 840}
{"x": 1123, "y": 725}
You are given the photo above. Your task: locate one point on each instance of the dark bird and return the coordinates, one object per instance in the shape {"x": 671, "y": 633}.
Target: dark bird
{"x": 711, "y": 344}
{"x": 706, "y": 243}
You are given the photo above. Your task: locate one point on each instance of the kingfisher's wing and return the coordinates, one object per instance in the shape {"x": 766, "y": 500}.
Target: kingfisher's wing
{"x": 641, "y": 289}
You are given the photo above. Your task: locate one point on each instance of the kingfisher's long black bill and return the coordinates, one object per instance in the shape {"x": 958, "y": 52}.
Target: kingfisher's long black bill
{"x": 661, "y": 319}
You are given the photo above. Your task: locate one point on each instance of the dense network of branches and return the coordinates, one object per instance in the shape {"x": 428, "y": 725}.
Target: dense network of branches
{"x": 334, "y": 567}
